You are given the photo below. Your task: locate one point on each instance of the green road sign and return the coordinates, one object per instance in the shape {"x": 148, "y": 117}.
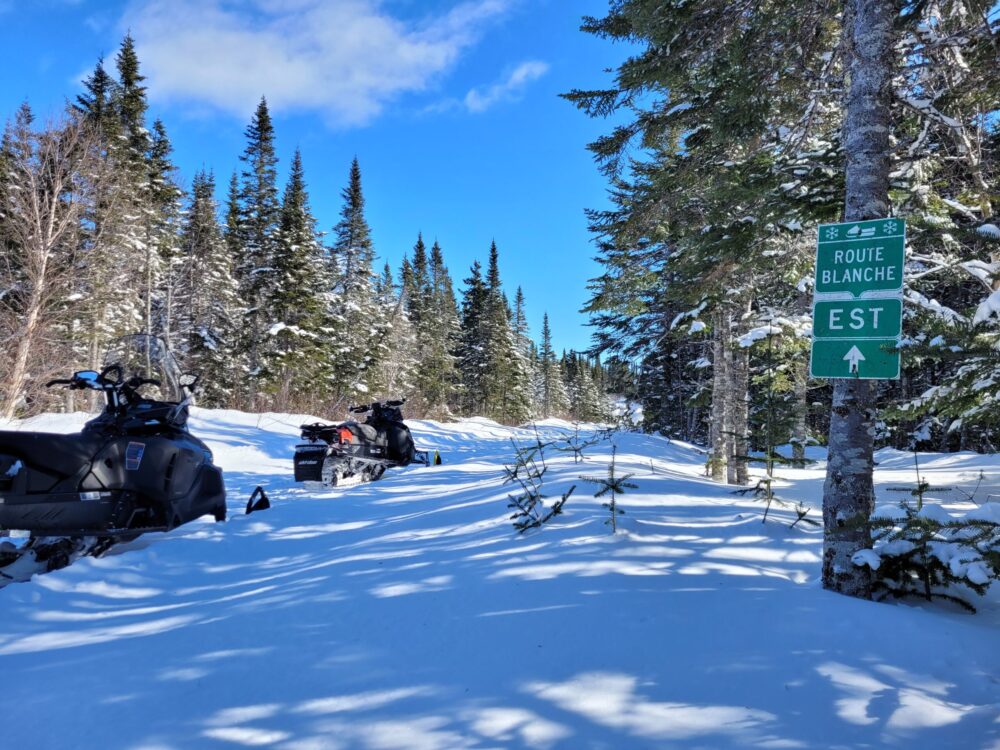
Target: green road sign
{"x": 864, "y": 319}
{"x": 860, "y": 256}
{"x": 867, "y": 359}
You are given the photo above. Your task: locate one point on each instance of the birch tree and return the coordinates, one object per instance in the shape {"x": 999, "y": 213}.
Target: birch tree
{"x": 41, "y": 210}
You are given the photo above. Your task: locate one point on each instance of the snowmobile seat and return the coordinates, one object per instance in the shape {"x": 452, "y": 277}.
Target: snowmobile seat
{"x": 364, "y": 431}
{"x": 61, "y": 454}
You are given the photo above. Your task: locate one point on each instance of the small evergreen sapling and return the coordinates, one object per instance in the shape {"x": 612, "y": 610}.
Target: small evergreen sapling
{"x": 920, "y": 550}
{"x": 764, "y": 489}
{"x": 529, "y": 505}
{"x": 614, "y": 484}
{"x": 925, "y": 554}
{"x": 577, "y": 445}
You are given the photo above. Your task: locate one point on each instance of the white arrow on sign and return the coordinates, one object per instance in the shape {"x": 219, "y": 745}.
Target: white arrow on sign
{"x": 854, "y": 356}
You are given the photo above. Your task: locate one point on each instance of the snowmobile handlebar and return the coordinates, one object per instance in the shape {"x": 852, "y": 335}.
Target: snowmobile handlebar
{"x": 369, "y": 407}
{"x": 99, "y": 381}
{"x": 84, "y": 379}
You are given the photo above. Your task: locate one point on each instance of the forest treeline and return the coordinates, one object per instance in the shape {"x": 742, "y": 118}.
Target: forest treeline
{"x": 727, "y": 153}
{"x": 99, "y": 239}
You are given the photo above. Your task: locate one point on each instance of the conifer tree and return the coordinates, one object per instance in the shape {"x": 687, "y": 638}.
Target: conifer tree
{"x": 504, "y": 378}
{"x": 437, "y": 335}
{"x": 585, "y": 401}
{"x": 471, "y": 352}
{"x": 295, "y": 359}
{"x": 97, "y": 106}
{"x": 707, "y": 232}
{"x": 359, "y": 324}
{"x": 213, "y": 313}
{"x": 231, "y": 223}
{"x": 552, "y": 396}
{"x": 419, "y": 293}
{"x": 114, "y": 285}
{"x": 163, "y": 211}
{"x": 257, "y": 225}
{"x": 522, "y": 337}
{"x": 131, "y": 100}
{"x": 397, "y": 367}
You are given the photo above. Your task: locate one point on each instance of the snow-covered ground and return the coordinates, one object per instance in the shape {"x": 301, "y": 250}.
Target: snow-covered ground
{"x": 409, "y": 614}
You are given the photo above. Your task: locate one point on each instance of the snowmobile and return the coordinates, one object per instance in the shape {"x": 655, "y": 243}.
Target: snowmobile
{"x": 132, "y": 469}
{"x": 345, "y": 454}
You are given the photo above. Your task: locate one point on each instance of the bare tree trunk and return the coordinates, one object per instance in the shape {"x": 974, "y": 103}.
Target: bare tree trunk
{"x": 40, "y": 215}
{"x": 800, "y": 428}
{"x": 167, "y": 312}
{"x": 739, "y": 410}
{"x": 848, "y": 495}
{"x": 149, "y": 284}
{"x": 25, "y": 344}
{"x": 720, "y": 376}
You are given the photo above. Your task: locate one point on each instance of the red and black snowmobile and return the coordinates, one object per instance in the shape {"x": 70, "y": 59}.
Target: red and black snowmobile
{"x": 353, "y": 452}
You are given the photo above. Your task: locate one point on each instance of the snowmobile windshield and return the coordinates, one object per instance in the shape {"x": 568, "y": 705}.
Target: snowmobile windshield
{"x": 145, "y": 356}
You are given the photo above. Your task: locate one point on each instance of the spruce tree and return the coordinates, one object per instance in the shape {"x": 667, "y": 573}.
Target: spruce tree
{"x": 296, "y": 357}
{"x": 552, "y": 396}
{"x": 353, "y": 248}
{"x": 97, "y": 106}
{"x": 471, "y": 352}
{"x": 131, "y": 102}
{"x": 257, "y": 225}
{"x": 115, "y": 286}
{"x": 162, "y": 219}
{"x": 213, "y": 314}
{"x": 419, "y": 292}
{"x": 437, "y": 336}
{"x": 522, "y": 337}
{"x": 398, "y": 366}
{"x": 505, "y": 380}
{"x": 359, "y": 325}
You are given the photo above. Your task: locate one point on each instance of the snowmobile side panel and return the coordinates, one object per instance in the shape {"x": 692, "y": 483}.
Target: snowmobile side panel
{"x": 172, "y": 483}
{"x": 68, "y": 513}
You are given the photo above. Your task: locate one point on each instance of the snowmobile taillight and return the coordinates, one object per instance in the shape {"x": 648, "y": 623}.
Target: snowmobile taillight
{"x": 345, "y": 435}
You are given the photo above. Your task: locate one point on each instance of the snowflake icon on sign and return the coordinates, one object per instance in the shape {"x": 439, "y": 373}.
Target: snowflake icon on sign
{"x": 889, "y": 227}
{"x": 831, "y": 233}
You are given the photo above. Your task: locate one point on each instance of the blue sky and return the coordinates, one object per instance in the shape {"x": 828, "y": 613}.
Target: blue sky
{"x": 451, "y": 107}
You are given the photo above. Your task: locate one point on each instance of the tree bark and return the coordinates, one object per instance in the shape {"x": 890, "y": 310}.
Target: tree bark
{"x": 719, "y": 420}
{"x": 848, "y": 494}
{"x": 739, "y": 411}
{"x": 800, "y": 427}
{"x": 25, "y": 344}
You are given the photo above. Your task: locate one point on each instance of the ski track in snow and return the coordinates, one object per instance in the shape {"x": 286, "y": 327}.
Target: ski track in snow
{"x": 409, "y": 614}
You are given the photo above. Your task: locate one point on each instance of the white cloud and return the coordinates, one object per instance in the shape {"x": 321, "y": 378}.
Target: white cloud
{"x": 479, "y": 99}
{"x": 345, "y": 59}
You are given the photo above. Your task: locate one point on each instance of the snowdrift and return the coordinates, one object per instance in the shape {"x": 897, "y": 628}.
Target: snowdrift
{"x": 409, "y": 614}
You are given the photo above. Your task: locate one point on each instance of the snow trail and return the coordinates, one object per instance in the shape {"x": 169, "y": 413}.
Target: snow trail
{"x": 408, "y": 614}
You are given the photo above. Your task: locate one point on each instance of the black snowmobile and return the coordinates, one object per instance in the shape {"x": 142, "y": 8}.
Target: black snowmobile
{"x": 352, "y": 452}
{"x": 134, "y": 468}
